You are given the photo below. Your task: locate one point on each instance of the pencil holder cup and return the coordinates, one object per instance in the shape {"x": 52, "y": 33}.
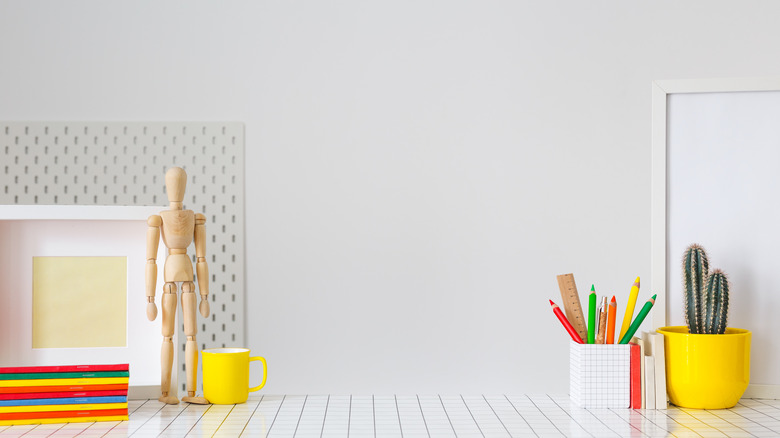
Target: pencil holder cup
{"x": 706, "y": 371}
{"x": 599, "y": 375}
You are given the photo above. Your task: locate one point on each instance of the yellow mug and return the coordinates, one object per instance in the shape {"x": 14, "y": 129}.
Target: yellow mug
{"x": 226, "y": 375}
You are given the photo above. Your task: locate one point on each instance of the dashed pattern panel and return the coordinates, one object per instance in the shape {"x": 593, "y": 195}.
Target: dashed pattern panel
{"x": 116, "y": 163}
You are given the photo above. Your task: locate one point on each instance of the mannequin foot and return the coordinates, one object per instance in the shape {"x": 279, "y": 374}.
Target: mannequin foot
{"x": 169, "y": 399}
{"x": 195, "y": 400}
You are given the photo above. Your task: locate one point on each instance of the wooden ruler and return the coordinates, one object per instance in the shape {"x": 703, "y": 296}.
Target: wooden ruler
{"x": 571, "y": 303}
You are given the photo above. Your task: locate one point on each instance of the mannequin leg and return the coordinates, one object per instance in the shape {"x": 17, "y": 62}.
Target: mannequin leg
{"x": 166, "y": 353}
{"x": 189, "y": 307}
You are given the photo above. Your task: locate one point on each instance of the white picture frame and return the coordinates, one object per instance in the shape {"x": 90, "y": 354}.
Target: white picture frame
{"x": 668, "y": 113}
{"x": 69, "y": 230}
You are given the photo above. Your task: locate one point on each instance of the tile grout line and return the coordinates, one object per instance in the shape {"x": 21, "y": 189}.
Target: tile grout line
{"x": 494, "y": 413}
{"x": 220, "y": 424}
{"x": 147, "y": 420}
{"x": 729, "y": 422}
{"x": 669, "y": 432}
{"x": 349, "y": 419}
{"x": 373, "y": 412}
{"x": 448, "y": 416}
{"x": 545, "y": 415}
{"x": 279, "y": 409}
{"x": 177, "y": 416}
{"x": 325, "y": 416}
{"x": 422, "y": 414}
{"x": 253, "y": 414}
{"x": 521, "y": 415}
{"x": 305, "y": 399}
{"x": 577, "y": 422}
{"x": 471, "y": 414}
{"x": 398, "y": 413}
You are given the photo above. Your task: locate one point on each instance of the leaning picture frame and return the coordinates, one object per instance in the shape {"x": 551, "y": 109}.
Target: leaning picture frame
{"x": 714, "y": 147}
{"x": 33, "y": 231}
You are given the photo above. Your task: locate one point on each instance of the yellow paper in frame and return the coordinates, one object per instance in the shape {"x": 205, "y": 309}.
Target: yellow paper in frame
{"x": 79, "y": 302}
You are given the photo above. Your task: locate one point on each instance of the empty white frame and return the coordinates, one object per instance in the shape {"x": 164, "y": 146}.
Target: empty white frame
{"x": 715, "y": 150}
{"x": 28, "y": 231}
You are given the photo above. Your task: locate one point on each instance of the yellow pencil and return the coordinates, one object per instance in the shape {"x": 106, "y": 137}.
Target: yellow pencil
{"x": 629, "y": 308}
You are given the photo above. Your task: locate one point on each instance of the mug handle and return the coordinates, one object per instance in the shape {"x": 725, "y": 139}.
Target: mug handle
{"x": 265, "y": 373}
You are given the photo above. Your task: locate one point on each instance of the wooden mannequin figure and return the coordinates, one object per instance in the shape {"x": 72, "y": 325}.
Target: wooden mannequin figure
{"x": 179, "y": 228}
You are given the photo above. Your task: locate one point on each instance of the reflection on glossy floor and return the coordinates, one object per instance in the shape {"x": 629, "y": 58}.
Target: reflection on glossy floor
{"x": 420, "y": 416}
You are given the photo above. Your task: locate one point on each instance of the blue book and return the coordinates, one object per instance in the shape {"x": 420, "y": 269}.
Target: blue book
{"x": 64, "y": 401}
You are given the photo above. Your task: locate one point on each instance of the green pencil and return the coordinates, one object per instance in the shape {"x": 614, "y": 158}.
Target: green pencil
{"x": 592, "y": 315}
{"x": 638, "y": 321}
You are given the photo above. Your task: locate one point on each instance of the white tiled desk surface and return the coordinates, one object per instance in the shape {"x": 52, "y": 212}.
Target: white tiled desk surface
{"x": 419, "y": 416}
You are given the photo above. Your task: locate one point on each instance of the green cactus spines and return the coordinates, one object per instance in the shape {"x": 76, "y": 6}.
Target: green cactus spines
{"x": 695, "y": 269}
{"x": 716, "y": 306}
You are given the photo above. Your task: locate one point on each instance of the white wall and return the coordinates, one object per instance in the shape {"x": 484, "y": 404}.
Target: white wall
{"x": 417, "y": 171}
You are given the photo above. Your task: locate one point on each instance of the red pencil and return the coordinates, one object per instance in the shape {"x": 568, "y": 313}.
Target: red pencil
{"x": 566, "y": 324}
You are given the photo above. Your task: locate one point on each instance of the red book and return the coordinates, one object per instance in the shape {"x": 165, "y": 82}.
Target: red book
{"x": 636, "y": 377}
{"x": 63, "y": 388}
{"x": 62, "y": 414}
{"x": 34, "y": 395}
{"x": 65, "y": 368}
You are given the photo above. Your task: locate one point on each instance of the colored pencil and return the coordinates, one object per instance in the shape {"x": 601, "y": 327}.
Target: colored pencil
{"x": 566, "y": 324}
{"x": 611, "y": 321}
{"x": 638, "y": 321}
{"x": 601, "y": 337}
{"x": 629, "y": 308}
{"x": 592, "y": 315}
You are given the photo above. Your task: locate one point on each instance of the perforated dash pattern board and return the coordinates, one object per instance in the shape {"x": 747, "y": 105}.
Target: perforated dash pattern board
{"x": 124, "y": 163}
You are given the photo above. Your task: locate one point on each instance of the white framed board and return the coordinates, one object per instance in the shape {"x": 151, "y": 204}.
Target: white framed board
{"x": 34, "y": 232}
{"x": 716, "y": 148}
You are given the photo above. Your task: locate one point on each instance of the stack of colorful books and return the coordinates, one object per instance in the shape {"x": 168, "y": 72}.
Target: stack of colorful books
{"x": 63, "y": 394}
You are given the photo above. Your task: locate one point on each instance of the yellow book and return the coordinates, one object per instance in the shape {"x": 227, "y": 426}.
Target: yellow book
{"x": 60, "y": 382}
{"x": 63, "y": 420}
{"x": 54, "y": 408}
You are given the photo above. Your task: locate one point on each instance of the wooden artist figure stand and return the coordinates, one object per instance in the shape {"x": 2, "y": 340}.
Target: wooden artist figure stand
{"x": 179, "y": 227}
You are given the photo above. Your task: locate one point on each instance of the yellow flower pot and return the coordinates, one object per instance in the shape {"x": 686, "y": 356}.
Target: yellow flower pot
{"x": 706, "y": 371}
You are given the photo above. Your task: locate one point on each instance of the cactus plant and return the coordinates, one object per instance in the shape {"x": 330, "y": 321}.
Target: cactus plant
{"x": 706, "y": 294}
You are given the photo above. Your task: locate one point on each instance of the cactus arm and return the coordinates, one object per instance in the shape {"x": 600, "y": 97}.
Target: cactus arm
{"x": 720, "y": 301}
{"x": 708, "y": 308}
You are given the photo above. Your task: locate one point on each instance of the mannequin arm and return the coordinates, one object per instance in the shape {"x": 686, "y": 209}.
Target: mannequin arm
{"x": 201, "y": 267}
{"x": 152, "y": 243}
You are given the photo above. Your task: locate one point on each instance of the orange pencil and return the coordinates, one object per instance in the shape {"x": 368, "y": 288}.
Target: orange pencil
{"x": 611, "y": 321}
{"x": 566, "y": 323}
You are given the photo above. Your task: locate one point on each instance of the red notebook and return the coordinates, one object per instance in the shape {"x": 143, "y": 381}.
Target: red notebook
{"x": 63, "y": 388}
{"x": 34, "y": 395}
{"x": 635, "y": 384}
{"x": 65, "y": 368}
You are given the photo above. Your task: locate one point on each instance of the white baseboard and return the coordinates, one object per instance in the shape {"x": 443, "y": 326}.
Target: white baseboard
{"x": 762, "y": 391}
{"x": 143, "y": 392}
